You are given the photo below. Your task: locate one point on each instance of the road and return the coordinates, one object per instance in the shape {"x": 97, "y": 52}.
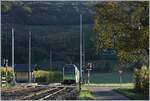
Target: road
{"x": 106, "y": 93}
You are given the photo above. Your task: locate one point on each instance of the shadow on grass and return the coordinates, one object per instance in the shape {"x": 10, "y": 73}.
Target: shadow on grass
{"x": 131, "y": 94}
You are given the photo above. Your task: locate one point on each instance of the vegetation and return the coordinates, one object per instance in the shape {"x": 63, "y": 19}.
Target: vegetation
{"x": 45, "y": 13}
{"x": 123, "y": 26}
{"x": 53, "y": 25}
{"x": 85, "y": 94}
{"x": 42, "y": 76}
{"x": 140, "y": 90}
{"x": 7, "y": 71}
{"x": 115, "y": 85}
{"x": 142, "y": 80}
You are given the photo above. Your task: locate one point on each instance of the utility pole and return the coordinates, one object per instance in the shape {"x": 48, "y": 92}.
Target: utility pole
{"x": 88, "y": 77}
{"x": 30, "y": 57}
{"x": 6, "y": 72}
{"x": 0, "y": 50}
{"x": 89, "y": 68}
{"x": 14, "y": 81}
{"x": 83, "y": 57}
{"x": 120, "y": 76}
{"x": 81, "y": 54}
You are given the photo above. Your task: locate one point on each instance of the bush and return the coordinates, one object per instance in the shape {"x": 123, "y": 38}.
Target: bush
{"x": 142, "y": 80}
{"x": 9, "y": 73}
{"x": 42, "y": 76}
{"x": 58, "y": 77}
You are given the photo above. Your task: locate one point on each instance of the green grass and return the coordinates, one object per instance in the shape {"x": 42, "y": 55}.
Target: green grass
{"x": 118, "y": 85}
{"x": 131, "y": 94}
{"x": 113, "y": 77}
{"x": 85, "y": 94}
{"x": 9, "y": 86}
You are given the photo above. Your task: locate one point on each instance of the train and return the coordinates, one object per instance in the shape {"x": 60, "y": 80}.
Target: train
{"x": 70, "y": 74}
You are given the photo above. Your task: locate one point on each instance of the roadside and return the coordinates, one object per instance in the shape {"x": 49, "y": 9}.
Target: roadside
{"x": 130, "y": 93}
{"x": 106, "y": 93}
{"x": 85, "y": 94}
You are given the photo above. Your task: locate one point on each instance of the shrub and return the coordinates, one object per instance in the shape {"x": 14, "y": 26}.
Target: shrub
{"x": 9, "y": 73}
{"x": 142, "y": 80}
{"x": 42, "y": 76}
{"x": 58, "y": 77}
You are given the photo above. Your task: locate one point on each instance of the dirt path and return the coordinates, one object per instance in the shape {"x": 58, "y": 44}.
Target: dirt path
{"x": 106, "y": 93}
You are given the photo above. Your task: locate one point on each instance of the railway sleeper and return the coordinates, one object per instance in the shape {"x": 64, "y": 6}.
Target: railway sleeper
{"x": 67, "y": 94}
{"x": 38, "y": 95}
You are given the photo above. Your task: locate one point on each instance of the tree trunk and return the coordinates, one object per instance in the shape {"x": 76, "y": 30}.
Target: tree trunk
{"x": 147, "y": 50}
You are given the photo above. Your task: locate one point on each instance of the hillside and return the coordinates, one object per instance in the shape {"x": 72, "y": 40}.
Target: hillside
{"x": 47, "y": 13}
{"x": 54, "y": 25}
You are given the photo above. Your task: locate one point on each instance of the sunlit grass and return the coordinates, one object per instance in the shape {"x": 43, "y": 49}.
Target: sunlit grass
{"x": 118, "y": 85}
{"x": 85, "y": 94}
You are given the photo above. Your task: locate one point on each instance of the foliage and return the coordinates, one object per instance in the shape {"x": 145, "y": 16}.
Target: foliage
{"x": 45, "y": 13}
{"x": 42, "y": 76}
{"x": 53, "y": 25}
{"x": 27, "y": 9}
{"x": 9, "y": 72}
{"x": 6, "y": 7}
{"x": 142, "y": 80}
{"x": 63, "y": 39}
{"x": 122, "y": 26}
{"x": 57, "y": 77}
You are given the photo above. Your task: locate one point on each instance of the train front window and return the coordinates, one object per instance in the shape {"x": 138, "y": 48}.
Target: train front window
{"x": 69, "y": 69}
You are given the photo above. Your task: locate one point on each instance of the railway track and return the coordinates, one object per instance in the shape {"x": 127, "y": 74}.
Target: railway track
{"x": 18, "y": 93}
{"x": 40, "y": 93}
{"x": 54, "y": 93}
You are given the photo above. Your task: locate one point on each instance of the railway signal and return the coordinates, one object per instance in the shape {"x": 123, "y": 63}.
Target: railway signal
{"x": 6, "y": 65}
{"x": 89, "y": 68}
{"x": 120, "y": 76}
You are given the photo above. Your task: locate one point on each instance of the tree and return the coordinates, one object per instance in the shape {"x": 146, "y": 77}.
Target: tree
{"x": 122, "y": 26}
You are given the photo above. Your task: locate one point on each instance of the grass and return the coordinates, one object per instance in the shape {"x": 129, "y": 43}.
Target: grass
{"x": 85, "y": 94}
{"x": 9, "y": 86}
{"x": 131, "y": 94}
{"x": 118, "y": 85}
{"x": 112, "y": 77}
